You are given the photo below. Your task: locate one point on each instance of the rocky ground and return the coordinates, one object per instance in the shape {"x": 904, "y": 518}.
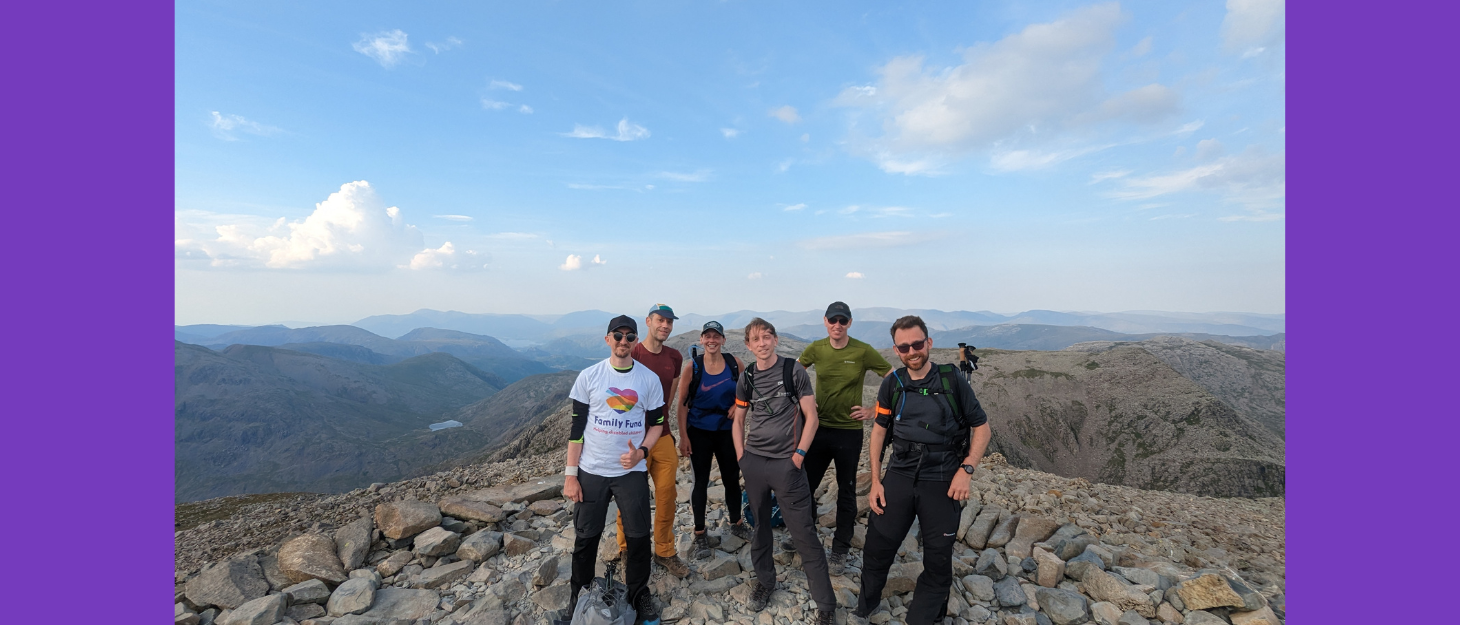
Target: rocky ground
{"x": 489, "y": 544}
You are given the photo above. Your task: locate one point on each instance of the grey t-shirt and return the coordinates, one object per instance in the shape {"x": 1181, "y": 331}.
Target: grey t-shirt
{"x": 773, "y": 420}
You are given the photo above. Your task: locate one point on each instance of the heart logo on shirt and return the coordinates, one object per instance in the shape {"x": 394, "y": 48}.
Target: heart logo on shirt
{"x": 622, "y": 400}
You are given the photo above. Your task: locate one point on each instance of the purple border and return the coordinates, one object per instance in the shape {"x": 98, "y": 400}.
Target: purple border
{"x": 1370, "y": 441}
{"x": 88, "y": 295}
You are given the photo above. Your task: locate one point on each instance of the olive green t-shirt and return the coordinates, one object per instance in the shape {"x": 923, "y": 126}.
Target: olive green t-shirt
{"x": 839, "y": 374}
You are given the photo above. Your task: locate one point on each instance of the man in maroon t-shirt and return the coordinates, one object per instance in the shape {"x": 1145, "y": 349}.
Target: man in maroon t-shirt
{"x": 663, "y": 459}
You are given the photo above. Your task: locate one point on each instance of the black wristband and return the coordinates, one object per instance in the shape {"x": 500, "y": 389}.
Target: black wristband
{"x": 645, "y": 450}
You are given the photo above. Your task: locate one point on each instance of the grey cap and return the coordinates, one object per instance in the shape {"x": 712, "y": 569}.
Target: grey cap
{"x": 838, "y": 309}
{"x": 663, "y": 311}
{"x": 713, "y": 325}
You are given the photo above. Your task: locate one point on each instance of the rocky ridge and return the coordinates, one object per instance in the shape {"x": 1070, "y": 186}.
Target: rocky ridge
{"x": 490, "y": 544}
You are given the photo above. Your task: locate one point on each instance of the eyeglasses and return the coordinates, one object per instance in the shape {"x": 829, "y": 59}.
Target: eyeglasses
{"x": 915, "y": 346}
{"x": 620, "y": 336}
{"x": 840, "y": 321}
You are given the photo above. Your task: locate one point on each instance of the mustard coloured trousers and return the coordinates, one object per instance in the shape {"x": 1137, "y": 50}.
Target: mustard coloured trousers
{"x": 663, "y": 462}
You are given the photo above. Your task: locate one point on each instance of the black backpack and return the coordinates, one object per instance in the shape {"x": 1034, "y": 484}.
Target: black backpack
{"x": 788, "y": 382}
{"x": 947, "y": 375}
{"x": 697, "y": 367}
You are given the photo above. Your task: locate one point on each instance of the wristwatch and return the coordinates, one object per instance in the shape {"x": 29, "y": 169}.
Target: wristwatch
{"x": 801, "y": 452}
{"x": 967, "y": 468}
{"x": 645, "y": 450}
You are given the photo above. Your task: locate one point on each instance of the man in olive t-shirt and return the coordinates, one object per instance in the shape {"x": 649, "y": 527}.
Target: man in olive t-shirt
{"x": 841, "y": 363}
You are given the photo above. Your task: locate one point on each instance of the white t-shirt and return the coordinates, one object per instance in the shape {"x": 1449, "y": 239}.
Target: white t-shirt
{"x": 616, "y": 406}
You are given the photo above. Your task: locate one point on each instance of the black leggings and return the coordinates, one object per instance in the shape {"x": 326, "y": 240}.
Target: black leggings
{"x": 707, "y": 445}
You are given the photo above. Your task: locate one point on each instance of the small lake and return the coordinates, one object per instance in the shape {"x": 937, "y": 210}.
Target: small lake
{"x": 445, "y": 424}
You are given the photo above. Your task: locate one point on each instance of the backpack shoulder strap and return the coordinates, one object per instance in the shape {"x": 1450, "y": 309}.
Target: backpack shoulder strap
{"x": 734, "y": 364}
{"x": 697, "y": 368}
{"x": 788, "y": 378}
{"x": 946, "y": 374}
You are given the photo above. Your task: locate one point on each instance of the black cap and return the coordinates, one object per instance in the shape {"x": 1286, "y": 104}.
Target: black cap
{"x": 622, "y": 321}
{"x": 713, "y": 325}
{"x": 838, "y": 309}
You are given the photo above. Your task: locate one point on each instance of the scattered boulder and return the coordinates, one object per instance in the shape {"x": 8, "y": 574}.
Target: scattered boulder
{"x": 444, "y": 574}
{"x": 392, "y": 565}
{"x": 308, "y": 591}
{"x": 1080, "y": 566}
{"x": 719, "y": 565}
{"x": 1031, "y": 529}
{"x": 352, "y": 597}
{"x": 902, "y": 578}
{"x": 228, "y": 584}
{"x": 1051, "y": 569}
{"x": 545, "y": 573}
{"x": 1063, "y": 607}
{"x": 436, "y": 541}
{"x": 311, "y": 556}
{"x": 403, "y": 519}
{"x": 480, "y": 546}
{"x": 352, "y": 542}
{"x": 1004, "y": 532}
{"x": 261, "y": 611}
{"x": 1208, "y": 590}
{"x": 1202, "y": 617}
{"x": 981, "y": 587}
{"x": 1104, "y": 613}
{"x": 991, "y": 564}
{"x": 544, "y": 507}
{"x": 303, "y": 611}
{"x": 1009, "y": 593}
{"x": 403, "y": 603}
{"x": 966, "y": 517}
{"x": 977, "y": 535}
{"x": 553, "y": 597}
{"x": 1263, "y": 616}
{"x": 549, "y": 487}
{"x": 1131, "y": 617}
{"x": 463, "y": 508}
{"x": 1102, "y": 586}
{"x": 516, "y": 545}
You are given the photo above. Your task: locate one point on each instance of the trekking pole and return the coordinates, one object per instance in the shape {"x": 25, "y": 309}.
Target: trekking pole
{"x": 967, "y": 361}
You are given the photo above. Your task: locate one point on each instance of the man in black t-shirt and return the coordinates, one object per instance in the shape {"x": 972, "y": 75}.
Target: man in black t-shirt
{"x": 939, "y": 431}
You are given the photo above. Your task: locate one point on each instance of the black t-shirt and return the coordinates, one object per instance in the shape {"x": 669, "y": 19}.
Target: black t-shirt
{"x": 932, "y": 409}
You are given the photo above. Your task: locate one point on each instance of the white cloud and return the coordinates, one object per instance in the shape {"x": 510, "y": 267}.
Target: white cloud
{"x": 1108, "y": 175}
{"x": 794, "y": 207}
{"x": 225, "y": 126}
{"x": 438, "y": 48}
{"x": 754, "y": 276}
{"x": 446, "y": 257}
{"x": 698, "y": 176}
{"x": 863, "y": 240}
{"x": 495, "y": 105}
{"x": 855, "y": 275}
{"x": 351, "y": 229}
{"x": 730, "y": 133}
{"x": 786, "y": 114}
{"x": 1254, "y": 178}
{"x": 502, "y": 84}
{"x": 1141, "y": 48}
{"x": 1019, "y": 160}
{"x": 626, "y": 132}
{"x": 785, "y": 165}
{"x": 387, "y": 47}
{"x": 1252, "y": 26}
{"x": 524, "y": 109}
{"x": 453, "y": 217}
{"x": 1025, "y": 88}
{"x": 575, "y": 262}
{"x": 1208, "y": 149}
{"x": 1190, "y": 127}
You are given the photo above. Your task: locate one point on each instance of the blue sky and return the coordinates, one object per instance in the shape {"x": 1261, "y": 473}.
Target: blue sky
{"x": 339, "y": 160}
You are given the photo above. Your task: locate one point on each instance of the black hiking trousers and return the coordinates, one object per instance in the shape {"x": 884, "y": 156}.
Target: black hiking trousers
{"x": 844, "y": 448}
{"x": 708, "y": 446}
{"x": 779, "y": 475}
{"x": 631, "y": 492}
{"x": 937, "y": 515}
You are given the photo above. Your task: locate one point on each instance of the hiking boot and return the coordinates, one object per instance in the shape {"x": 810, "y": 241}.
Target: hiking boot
{"x": 836, "y": 563}
{"x": 676, "y": 566}
{"x": 742, "y": 531}
{"x": 759, "y": 598}
{"x": 826, "y": 617}
{"x": 646, "y": 612}
{"x": 700, "y": 549}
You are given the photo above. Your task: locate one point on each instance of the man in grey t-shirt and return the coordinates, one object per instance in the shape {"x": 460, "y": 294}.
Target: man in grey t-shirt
{"x": 774, "y": 425}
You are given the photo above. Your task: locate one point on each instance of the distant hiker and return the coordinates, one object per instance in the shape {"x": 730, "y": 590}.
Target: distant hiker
{"x": 775, "y": 421}
{"x": 706, "y": 395}
{"x": 663, "y": 461}
{"x": 939, "y": 431}
{"x": 618, "y": 411}
{"x": 841, "y": 363}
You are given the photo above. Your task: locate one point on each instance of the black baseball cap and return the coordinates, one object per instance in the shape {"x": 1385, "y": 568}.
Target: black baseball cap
{"x": 715, "y": 326}
{"x": 623, "y": 321}
{"x": 838, "y": 309}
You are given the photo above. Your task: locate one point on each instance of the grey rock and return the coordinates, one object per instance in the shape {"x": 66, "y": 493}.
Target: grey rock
{"x": 1175, "y": 599}
{"x": 1251, "y": 600}
{"x": 444, "y": 575}
{"x": 980, "y": 586}
{"x": 1070, "y": 547}
{"x": 310, "y": 591}
{"x": 1031, "y": 529}
{"x": 1208, "y": 590}
{"x": 902, "y": 577}
{"x": 480, "y": 546}
{"x": 1027, "y": 618}
{"x": 453, "y": 524}
{"x": 991, "y": 564}
{"x": 228, "y": 584}
{"x": 1028, "y": 565}
{"x": 550, "y": 487}
{"x": 1102, "y": 586}
{"x": 304, "y": 611}
{"x": 731, "y": 543}
{"x": 1009, "y": 593}
{"x": 1004, "y": 532}
{"x": 403, "y": 519}
{"x": 352, "y": 542}
{"x": 552, "y": 597}
{"x": 1051, "y": 570}
{"x": 392, "y": 565}
{"x": 437, "y": 541}
{"x": 966, "y": 518}
{"x": 1131, "y": 617}
{"x": 403, "y": 603}
{"x": 270, "y": 564}
{"x": 516, "y": 545}
{"x": 1104, "y": 613}
{"x": 1080, "y": 566}
{"x": 473, "y": 510}
{"x": 719, "y": 565}
{"x": 352, "y": 597}
{"x": 261, "y": 611}
{"x": 977, "y": 535}
{"x": 1063, "y": 607}
{"x": 311, "y": 556}
{"x": 1202, "y": 617}
{"x": 1139, "y": 576}
{"x": 546, "y": 572}
{"x": 186, "y": 618}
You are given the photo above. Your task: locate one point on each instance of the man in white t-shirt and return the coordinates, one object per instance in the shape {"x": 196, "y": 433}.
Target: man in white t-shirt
{"x": 617, "y": 405}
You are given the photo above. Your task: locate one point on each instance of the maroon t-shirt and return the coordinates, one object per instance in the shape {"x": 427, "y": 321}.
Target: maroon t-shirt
{"x": 664, "y": 364}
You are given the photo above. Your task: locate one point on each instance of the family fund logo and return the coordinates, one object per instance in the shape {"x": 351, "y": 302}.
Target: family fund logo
{"x": 622, "y": 400}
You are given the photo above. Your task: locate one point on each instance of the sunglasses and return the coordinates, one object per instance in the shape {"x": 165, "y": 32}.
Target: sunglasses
{"x": 915, "y": 346}
{"x": 840, "y": 321}
{"x": 628, "y": 338}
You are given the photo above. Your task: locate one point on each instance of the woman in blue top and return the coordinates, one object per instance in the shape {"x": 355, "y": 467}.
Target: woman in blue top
{"x": 706, "y": 393}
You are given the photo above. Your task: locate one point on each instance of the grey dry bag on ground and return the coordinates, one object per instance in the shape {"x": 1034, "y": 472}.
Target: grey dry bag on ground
{"x": 604, "y": 602}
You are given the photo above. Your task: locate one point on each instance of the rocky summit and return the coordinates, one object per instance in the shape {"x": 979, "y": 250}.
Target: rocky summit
{"x": 490, "y": 544}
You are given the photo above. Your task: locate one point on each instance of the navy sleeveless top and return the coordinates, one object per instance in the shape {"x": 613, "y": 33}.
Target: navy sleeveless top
{"x": 711, "y": 407}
